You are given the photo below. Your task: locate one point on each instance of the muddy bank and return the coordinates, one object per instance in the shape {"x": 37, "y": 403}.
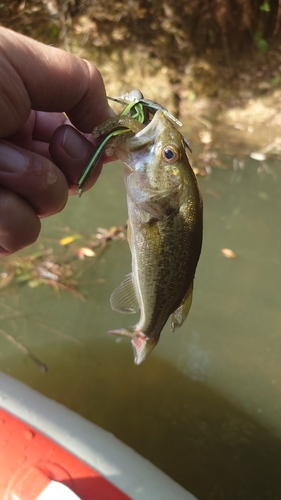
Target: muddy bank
{"x": 217, "y": 65}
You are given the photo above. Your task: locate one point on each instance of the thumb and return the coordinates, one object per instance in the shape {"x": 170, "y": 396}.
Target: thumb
{"x": 70, "y": 151}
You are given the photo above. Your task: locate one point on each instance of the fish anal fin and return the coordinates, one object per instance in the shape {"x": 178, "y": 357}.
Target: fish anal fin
{"x": 182, "y": 311}
{"x": 124, "y": 299}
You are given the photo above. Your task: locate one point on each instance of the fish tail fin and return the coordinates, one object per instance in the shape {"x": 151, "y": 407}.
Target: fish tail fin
{"x": 142, "y": 345}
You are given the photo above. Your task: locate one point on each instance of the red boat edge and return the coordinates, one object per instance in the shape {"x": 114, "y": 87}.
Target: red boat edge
{"x": 47, "y": 448}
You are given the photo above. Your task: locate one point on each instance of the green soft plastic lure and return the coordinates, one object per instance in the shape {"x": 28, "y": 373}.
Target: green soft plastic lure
{"x": 136, "y": 114}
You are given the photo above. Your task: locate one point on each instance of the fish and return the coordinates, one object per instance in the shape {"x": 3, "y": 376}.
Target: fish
{"x": 164, "y": 233}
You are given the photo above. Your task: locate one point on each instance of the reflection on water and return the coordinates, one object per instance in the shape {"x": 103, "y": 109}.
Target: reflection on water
{"x": 205, "y": 407}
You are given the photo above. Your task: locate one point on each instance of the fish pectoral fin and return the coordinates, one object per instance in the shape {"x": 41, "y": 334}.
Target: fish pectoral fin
{"x": 182, "y": 311}
{"x": 124, "y": 299}
{"x": 142, "y": 345}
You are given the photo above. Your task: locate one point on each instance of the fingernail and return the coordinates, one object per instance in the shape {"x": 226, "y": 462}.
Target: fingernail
{"x": 74, "y": 144}
{"x": 11, "y": 160}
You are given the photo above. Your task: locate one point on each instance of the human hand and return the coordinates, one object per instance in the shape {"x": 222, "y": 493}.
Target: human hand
{"x": 41, "y": 155}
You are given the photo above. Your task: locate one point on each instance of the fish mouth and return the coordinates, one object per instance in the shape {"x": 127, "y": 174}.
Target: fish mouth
{"x": 149, "y": 133}
{"x": 144, "y": 142}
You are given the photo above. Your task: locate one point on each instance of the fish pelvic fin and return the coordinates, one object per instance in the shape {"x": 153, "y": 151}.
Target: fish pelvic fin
{"x": 142, "y": 345}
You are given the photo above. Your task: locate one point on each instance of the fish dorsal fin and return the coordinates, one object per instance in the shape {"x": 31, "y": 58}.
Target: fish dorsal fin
{"x": 124, "y": 299}
{"x": 182, "y": 311}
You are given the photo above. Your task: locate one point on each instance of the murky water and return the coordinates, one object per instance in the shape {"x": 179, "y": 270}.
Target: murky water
{"x": 206, "y": 405}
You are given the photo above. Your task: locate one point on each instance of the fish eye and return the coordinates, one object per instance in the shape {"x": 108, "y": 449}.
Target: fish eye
{"x": 170, "y": 154}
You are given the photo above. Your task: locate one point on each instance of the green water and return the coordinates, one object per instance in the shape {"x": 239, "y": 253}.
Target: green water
{"x": 206, "y": 405}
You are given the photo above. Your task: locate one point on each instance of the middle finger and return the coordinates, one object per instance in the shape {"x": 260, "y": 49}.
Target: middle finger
{"x": 34, "y": 177}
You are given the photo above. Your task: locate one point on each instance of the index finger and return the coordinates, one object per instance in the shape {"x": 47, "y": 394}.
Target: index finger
{"x": 40, "y": 77}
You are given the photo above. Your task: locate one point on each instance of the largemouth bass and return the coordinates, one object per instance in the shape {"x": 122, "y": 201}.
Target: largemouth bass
{"x": 164, "y": 233}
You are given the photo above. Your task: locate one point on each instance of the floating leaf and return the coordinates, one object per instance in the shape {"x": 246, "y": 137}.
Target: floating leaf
{"x": 255, "y": 155}
{"x": 34, "y": 283}
{"x": 87, "y": 251}
{"x": 69, "y": 239}
{"x": 6, "y": 279}
{"x": 228, "y": 253}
